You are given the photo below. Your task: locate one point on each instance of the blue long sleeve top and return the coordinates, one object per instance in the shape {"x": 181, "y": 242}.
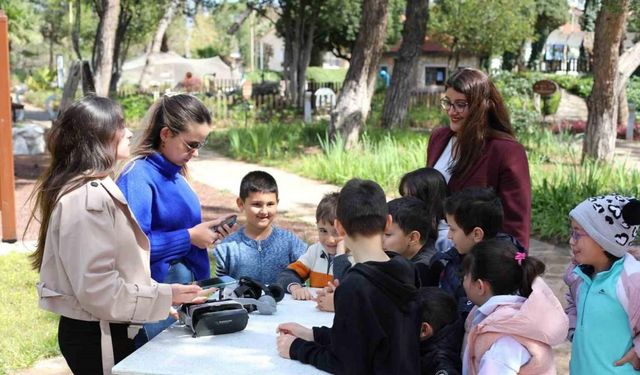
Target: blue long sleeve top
{"x": 238, "y": 255}
{"x": 165, "y": 206}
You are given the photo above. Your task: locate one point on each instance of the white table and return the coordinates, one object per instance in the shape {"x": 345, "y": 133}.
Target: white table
{"x": 250, "y": 351}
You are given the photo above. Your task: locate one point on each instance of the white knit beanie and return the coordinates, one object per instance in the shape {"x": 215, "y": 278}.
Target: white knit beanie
{"x": 603, "y": 219}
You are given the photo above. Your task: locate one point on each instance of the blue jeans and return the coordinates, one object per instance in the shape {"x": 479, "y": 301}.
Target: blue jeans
{"x": 178, "y": 273}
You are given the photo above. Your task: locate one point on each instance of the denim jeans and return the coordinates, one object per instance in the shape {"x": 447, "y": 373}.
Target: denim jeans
{"x": 178, "y": 273}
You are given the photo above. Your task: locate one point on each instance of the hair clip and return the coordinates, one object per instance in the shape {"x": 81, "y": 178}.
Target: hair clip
{"x": 168, "y": 93}
{"x": 520, "y": 256}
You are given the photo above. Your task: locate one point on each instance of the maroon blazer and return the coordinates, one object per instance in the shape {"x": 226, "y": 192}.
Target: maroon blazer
{"x": 503, "y": 166}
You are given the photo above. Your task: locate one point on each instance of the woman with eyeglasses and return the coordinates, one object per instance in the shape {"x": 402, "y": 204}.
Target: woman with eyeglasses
{"x": 479, "y": 148}
{"x": 156, "y": 186}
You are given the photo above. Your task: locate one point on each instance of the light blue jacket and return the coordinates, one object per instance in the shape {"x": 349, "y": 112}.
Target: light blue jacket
{"x": 599, "y": 309}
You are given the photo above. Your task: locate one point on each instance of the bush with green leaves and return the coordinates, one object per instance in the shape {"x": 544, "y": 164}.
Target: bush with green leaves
{"x": 269, "y": 142}
{"x": 41, "y": 79}
{"x": 633, "y": 93}
{"x": 135, "y": 106}
{"x": 551, "y": 103}
{"x": 318, "y": 74}
{"x": 578, "y": 85}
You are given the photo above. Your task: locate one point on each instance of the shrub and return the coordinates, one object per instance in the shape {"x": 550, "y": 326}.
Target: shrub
{"x": 318, "y": 74}
{"x": 551, "y": 104}
{"x": 271, "y": 141}
{"x": 633, "y": 93}
{"x": 135, "y": 106}
{"x": 557, "y": 190}
{"x": 41, "y": 79}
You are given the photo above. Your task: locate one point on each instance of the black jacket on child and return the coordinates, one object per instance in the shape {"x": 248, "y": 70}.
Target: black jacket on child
{"x": 376, "y": 325}
{"x": 440, "y": 354}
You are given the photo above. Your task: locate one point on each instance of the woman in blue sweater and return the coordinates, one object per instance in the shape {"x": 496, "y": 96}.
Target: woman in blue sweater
{"x": 164, "y": 204}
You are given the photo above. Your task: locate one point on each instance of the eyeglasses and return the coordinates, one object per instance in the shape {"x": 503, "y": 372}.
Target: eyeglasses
{"x": 576, "y": 235}
{"x": 191, "y": 146}
{"x": 458, "y": 106}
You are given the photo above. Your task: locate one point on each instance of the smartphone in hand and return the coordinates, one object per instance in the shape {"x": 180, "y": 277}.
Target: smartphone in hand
{"x": 216, "y": 282}
{"x": 230, "y": 221}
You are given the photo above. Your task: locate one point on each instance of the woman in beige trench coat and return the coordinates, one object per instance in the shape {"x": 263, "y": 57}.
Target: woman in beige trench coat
{"x": 92, "y": 256}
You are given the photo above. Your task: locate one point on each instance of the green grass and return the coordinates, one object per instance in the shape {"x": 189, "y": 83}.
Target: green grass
{"x": 318, "y": 74}
{"x": 382, "y": 158}
{"x": 27, "y": 333}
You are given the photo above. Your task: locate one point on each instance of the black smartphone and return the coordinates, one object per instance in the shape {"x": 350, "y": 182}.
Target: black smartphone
{"x": 215, "y": 282}
{"x": 230, "y": 221}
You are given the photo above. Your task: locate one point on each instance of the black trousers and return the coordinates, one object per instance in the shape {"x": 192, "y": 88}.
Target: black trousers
{"x": 79, "y": 342}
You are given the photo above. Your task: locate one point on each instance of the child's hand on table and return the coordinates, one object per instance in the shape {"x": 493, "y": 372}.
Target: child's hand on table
{"x": 324, "y": 298}
{"x": 283, "y": 342}
{"x": 295, "y": 330}
{"x": 299, "y": 292}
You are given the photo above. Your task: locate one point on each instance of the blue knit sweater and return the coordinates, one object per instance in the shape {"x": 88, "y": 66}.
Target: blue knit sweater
{"x": 238, "y": 255}
{"x": 165, "y": 206}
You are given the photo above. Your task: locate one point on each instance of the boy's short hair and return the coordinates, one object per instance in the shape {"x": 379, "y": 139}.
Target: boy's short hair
{"x": 411, "y": 214}
{"x": 326, "y": 210}
{"x": 258, "y": 182}
{"x": 437, "y": 307}
{"x": 476, "y": 207}
{"x": 362, "y": 208}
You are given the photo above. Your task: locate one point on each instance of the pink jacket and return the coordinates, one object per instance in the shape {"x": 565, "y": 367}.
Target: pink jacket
{"x": 628, "y": 292}
{"x": 537, "y": 324}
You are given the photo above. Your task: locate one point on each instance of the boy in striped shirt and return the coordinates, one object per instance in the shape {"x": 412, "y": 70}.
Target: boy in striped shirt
{"x": 316, "y": 264}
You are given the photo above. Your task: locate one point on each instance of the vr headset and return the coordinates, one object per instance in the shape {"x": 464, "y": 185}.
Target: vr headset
{"x": 214, "y": 318}
{"x": 230, "y": 313}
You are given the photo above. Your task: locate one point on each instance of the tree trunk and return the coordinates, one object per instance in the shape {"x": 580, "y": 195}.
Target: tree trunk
{"x": 156, "y": 43}
{"x": 303, "y": 62}
{"x": 120, "y": 49}
{"x": 354, "y": 101}
{"x": 75, "y": 34}
{"x": 399, "y": 92}
{"x": 600, "y": 138}
{"x": 106, "y": 43}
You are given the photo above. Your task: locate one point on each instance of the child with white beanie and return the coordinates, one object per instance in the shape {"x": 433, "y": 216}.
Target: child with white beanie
{"x": 604, "y": 286}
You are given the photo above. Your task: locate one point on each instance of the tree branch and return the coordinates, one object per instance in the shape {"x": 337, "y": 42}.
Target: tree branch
{"x": 629, "y": 62}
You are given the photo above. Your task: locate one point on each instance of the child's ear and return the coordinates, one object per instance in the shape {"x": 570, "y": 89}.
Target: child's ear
{"x": 240, "y": 204}
{"x": 477, "y": 234}
{"x": 387, "y": 225}
{"x": 484, "y": 288}
{"x": 426, "y": 331}
{"x": 414, "y": 237}
{"x": 339, "y": 228}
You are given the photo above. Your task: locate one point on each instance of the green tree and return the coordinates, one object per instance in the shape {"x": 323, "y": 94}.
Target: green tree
{"x": 550, "y": 15}
{"x": 24, "y": 22}
{"x": 482, "y": 27}
{"x": 588, "y": 19}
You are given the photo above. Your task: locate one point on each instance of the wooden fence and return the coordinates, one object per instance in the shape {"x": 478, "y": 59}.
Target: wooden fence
{"x": 221, "y": 96}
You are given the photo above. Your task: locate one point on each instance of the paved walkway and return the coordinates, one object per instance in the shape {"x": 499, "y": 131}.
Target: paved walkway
{"x": 298, "y": 196}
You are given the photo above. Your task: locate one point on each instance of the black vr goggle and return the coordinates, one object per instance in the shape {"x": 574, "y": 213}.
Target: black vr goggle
{"x": 230, "y": 312}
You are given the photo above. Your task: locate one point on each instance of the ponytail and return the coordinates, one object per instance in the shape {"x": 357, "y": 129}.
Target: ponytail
{"x": 499, "y": 263}
{"x": 531, "y": 268}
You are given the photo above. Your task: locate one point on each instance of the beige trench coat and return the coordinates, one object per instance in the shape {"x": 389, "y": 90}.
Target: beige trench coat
{"x": 96, "y": 264}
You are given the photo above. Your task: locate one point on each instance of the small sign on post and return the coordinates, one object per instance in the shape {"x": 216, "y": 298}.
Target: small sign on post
{"x": 545, "y": 87}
